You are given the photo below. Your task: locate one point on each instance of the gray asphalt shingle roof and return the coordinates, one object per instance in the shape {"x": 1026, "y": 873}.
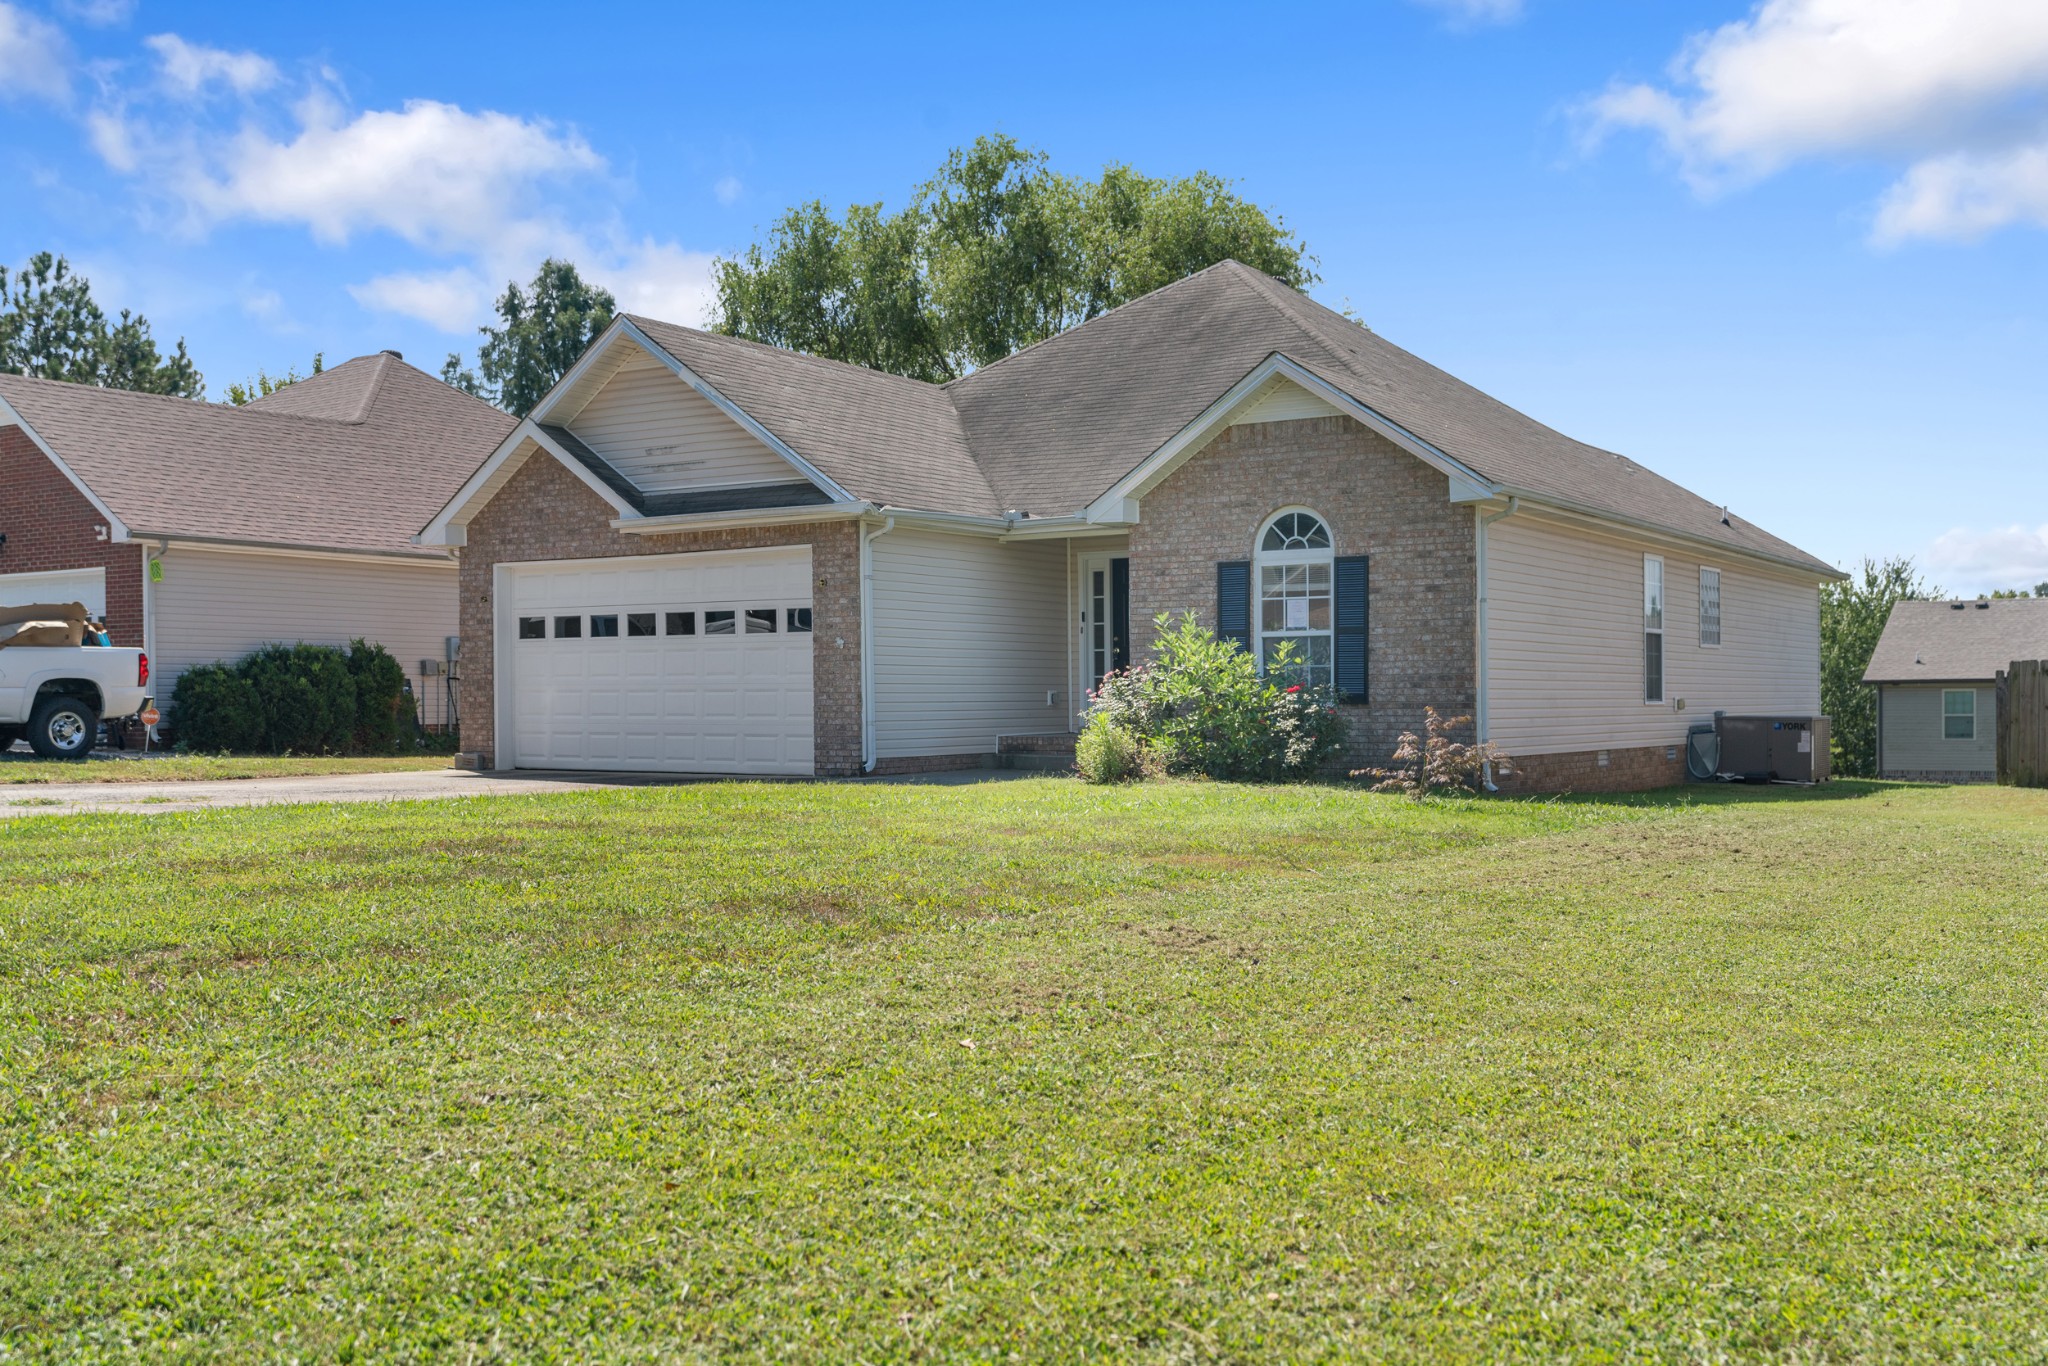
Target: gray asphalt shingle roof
{"x": 1048, "y": 430}
{"x": 1950, "y": 642}
{"x": 356, "y": 458}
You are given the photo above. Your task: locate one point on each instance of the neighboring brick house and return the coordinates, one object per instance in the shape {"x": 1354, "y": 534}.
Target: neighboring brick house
{"x": 704, "y": 554}
{"x": 203, "y": 530}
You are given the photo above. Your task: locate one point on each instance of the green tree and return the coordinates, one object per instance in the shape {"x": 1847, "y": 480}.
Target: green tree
{"x": 543, "y": 329}
{"x": 265, "y": 383}
{"x": 51, "y": 328}
{"x": 995, "y": 252}
{"x": 1852, "y": 617}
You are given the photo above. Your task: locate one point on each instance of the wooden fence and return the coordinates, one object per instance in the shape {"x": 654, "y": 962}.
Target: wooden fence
{"x": 2023, "y": 724}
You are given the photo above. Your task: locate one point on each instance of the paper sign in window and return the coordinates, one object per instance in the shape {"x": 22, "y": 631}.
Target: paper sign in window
{"x": 1297, "y": 614}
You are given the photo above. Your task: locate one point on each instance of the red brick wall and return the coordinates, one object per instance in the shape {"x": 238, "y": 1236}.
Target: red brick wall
{"x": 1379, "y": 501}
{"x": 50, "y": 525}
{"x": 1597, "y": 770}
{"x": 546, "y": 513}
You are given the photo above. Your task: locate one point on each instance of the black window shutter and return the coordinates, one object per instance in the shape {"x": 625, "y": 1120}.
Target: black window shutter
{"x": 1353, "y": 607}
{"x": 1234, "y": 602}
{"x": 1120, "y": 612}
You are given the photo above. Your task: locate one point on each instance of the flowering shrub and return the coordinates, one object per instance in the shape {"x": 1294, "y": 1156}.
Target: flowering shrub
{"x": 1433, "y": 762}
{"x": 1199, "y": 707}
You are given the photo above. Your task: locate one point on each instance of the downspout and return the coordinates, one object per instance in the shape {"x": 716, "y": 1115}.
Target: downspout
{"x": 868, "y": 536}
{"x": 1482, "y": 720}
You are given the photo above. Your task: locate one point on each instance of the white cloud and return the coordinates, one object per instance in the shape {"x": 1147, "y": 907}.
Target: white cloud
{"x": 2011, "y": 557}
{"x": 454, "y": 300}
{"x": 1950, "y": 88}
{"x": 728, "y": 189}
{"x": 662, "y": 281}
{"x": 1475, "y": 12}
{"x": 189, "y": 68}
{"x": 34, "y": 58}
{"x": 98, "y": 13}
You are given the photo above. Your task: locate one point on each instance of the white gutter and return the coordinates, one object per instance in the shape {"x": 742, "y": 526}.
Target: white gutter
{"x": 1600, "y": 517}
{"x": 743, "y": 517}
{"x": 868, "y": 536}
{"x": 1482, "y": 721}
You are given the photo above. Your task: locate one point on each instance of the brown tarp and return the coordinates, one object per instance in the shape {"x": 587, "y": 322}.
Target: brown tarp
{"x": 43, "y": 623}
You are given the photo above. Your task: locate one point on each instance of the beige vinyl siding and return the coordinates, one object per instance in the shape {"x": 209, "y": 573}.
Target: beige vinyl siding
{"x": 665, "y": 436}
{"x": 1284, "y": 401}
{"x": 1913, "y": 741}
{"x": 969, "y": 636}
{"x": 1565, "y": 640}
{"x": 219, "y": 605}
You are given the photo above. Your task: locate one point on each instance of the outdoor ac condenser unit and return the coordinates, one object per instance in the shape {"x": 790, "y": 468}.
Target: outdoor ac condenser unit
{"x": 1786, "y": 749}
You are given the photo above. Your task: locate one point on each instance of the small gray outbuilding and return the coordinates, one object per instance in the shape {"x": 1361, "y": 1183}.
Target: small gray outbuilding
{"x": 1935, "y": 669}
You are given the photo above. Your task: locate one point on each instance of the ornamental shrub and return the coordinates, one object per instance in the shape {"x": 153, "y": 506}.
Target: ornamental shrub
{"x": 294, "y": 699}
{"x": 1108, "y": 753}
{"x": 1201, "y": 708}
{"x": 215, "y": 709}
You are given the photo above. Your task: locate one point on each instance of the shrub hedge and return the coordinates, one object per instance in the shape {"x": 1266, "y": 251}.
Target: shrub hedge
{"x": 296, "y": 699}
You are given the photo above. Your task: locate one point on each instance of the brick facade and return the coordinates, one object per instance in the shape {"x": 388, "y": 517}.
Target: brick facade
{"x": 1377, "y": 500}
{"x": 545, "y": 513}
{"x": 1603, "y": 770}
{"x": 50, "y": 525}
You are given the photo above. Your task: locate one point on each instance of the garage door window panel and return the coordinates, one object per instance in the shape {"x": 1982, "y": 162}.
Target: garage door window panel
{"x": 720, "y": 624}
{"x": 568, "y": 628}
{"x": 682, "y": 623}
{"x": 533, "y": 628}
{"x": 605, "y": 625}
{"x": 800, "y": 620}
{"x": 640, "y": 623}
{"x": 760, "y": 621}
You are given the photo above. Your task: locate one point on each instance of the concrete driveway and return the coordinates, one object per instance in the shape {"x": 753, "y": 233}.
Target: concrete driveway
{"x": 145, "y": 798}
{"x": 61, "y": 799}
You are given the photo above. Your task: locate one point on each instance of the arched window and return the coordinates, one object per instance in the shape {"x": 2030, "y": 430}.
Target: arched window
{"x": 1293, "y": 568}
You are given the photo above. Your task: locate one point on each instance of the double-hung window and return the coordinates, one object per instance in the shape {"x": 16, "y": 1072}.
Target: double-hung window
{"x": 1653, "y": 629}
{"x": 1958, "y": 713}
{"x": 1710, "y": 607}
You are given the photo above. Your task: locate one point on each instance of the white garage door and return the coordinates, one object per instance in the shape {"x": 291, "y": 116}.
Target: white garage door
{"x": 88, "y": 586}
{"x": 671, "y": 663}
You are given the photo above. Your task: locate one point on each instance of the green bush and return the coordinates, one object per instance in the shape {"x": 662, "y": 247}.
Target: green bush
{"x": 294, "y": 699}
{"x": 384, "y": 717}
{"x": 1107, "y": 753}
{"x": 216, "y": 709}
{"x": 1200, "y": 707}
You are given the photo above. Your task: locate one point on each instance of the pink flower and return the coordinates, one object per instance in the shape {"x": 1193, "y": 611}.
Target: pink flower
{"x": 1295, "y": 688}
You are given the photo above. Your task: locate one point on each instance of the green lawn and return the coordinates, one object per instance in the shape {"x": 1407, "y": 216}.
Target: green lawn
{"x": 1179, "y": 1072}
{"x": 182, "y": 768}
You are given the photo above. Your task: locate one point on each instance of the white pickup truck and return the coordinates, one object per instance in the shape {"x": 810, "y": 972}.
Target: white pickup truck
{"x": 57, "y": 694}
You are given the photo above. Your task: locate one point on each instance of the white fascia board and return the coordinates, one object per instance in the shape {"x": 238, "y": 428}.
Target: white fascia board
{"x": 1115, "y": 505}
{"x": 844, "y": 511}
{"x": 593, "y": 354}
{"x": 170, "y": 540}
{"x": 117, "y": 530}
{"x": 447, "y": 526}
{"x": 733, "y": 410}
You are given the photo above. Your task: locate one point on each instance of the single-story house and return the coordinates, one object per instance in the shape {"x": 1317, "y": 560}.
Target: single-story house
{"x": 703, "y": 554}
{"x": 201, "y": 530}
{"x": 1934, "y": 669}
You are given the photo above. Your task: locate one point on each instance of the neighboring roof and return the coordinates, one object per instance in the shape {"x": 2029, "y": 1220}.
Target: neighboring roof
{"x": 881, "y": 437}
{"x": 1048, "y": 430}
{"x": 354, "y": 458}
{"x": 1958, "y": 642}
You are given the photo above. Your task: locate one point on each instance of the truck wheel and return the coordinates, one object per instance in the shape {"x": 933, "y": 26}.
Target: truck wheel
{"x": 63, "y": 728}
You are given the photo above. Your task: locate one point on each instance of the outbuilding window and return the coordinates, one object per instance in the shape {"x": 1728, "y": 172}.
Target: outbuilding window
{"x": 1958, "y": 714}
{"x": 1294, "y": 564}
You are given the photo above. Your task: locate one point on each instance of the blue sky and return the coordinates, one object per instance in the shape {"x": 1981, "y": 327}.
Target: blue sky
{"x": 1791, "y": 254}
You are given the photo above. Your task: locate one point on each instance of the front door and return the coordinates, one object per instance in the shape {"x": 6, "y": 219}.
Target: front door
{"x": 1105, "y": 616}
